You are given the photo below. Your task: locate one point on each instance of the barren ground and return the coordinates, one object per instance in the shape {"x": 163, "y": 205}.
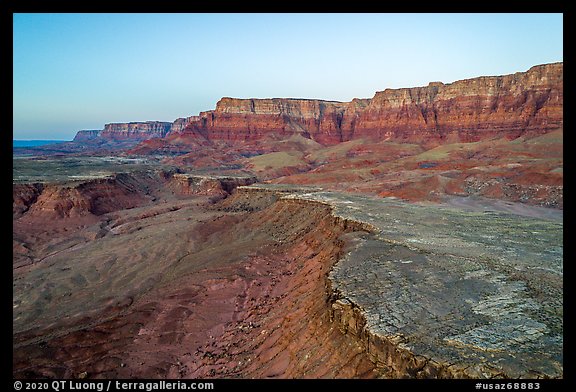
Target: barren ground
{"x": 182, "y": 280}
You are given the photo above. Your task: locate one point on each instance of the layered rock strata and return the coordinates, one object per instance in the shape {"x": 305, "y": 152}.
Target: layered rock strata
{"x": 123, "y": 131}
{"x": 102, "y": 195}
{"x": 465, "y": 110}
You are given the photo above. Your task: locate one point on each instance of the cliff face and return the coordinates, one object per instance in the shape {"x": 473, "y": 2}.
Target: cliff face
{"x": 128, "y": 131}
{"x": 469, "y": 109}
{"x": 180, "y": 123}
{"x": 85, "y": 135}
{"x": 322, "y": 121}
{"x": 136, "y": 130}
{"x": 250, "y": 119}
{"x": 466, "y": 110}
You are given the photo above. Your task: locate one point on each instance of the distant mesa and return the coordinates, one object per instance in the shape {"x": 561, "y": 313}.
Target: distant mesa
{"x": 132, "y": 130}
{"x": 466, "y": 110}
{"x": 87, "y": 134}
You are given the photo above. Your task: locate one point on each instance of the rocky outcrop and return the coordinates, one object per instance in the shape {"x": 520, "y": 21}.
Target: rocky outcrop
{"x": 94, "y": 197}
{"x": 99, "y": 196}
{"x": 131, "y": 130}
{"x": 128, "y": 131}
{"x": 465, "y": 332}
{"x": 23, "y": 196}
{"x": 216, "y": 186}
{"x": 218, "y": 295}
{"x": 253, "y": 119}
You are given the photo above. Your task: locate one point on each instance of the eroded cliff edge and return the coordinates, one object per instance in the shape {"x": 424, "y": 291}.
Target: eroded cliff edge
{"x": 427, "y": 299}
{"x": 281, "y": 281}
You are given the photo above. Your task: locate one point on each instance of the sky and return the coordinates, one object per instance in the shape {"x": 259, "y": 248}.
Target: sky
{"x": 81, "y": 71}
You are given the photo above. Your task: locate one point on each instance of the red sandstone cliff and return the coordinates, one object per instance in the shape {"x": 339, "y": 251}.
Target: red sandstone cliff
{"x": 466, "y": 110}
{"x": 469, "y": 110}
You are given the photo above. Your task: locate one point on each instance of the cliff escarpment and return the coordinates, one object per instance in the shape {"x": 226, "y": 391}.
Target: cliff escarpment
{"x": 127, "y": 131}
{"x": 469, "y": 110}
{"x": 466, "y": 110}
{"x": 499, "y": 137}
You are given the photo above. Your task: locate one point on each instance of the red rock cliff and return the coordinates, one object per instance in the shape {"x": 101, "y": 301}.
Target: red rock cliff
{"x": 247, "y": 119}
{"x": 469, "y": 109}
{"x": 465, "y": 110}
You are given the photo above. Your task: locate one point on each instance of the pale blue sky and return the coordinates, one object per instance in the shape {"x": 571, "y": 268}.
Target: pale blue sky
{"x": 80, "y": 71}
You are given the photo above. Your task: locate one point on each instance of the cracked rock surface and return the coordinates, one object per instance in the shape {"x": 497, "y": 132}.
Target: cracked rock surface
{"x": 470, "y": 293}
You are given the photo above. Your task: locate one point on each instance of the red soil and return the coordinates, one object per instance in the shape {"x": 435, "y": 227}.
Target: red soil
{"x": 249, "y": 301}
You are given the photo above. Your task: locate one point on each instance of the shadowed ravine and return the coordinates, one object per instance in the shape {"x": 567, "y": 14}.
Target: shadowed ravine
{"x": 245, "y": 288}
